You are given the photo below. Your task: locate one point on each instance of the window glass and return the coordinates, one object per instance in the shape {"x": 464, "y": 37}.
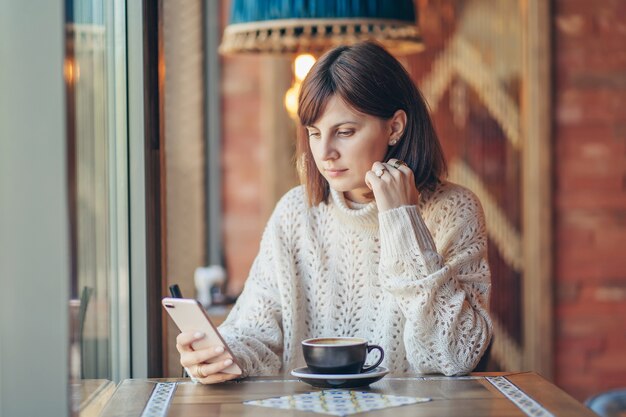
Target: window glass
{"x": 95, "y": 70}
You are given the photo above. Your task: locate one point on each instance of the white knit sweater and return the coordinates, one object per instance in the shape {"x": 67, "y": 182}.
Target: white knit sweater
{"x": 414, "y": 280}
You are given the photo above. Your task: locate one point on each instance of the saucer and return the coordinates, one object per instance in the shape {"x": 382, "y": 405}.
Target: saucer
{"x": 339, "y": 381}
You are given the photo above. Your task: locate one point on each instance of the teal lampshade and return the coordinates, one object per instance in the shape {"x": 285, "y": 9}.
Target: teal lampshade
{"x": 313, "y": 26}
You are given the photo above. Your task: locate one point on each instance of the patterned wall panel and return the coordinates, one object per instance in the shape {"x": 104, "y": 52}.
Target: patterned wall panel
{"x": 184, "y": 151}
{"x": 471, "y": 76}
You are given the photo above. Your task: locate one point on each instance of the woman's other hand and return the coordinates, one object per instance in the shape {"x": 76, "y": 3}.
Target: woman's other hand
{"x": 393, "y": 184}
{"x": 205, "y": 364}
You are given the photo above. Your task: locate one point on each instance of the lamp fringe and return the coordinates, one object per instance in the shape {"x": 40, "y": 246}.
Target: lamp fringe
{"x": 317, "y": 35}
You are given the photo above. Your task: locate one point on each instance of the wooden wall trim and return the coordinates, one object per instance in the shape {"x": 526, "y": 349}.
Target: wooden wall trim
{"x": 537, "y": 192}
{"x": 154, "y": 182}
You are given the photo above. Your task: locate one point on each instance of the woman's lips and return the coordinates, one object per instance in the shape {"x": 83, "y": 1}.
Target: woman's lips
{"x": 335, "y": 172}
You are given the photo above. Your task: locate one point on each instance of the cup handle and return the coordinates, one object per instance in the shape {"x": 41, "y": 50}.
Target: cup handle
{"x": 380, "y": 359}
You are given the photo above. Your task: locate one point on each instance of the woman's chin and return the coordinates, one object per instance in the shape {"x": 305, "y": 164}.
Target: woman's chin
{"x": 340, "y": 186}
{"x": 345, "y": 183}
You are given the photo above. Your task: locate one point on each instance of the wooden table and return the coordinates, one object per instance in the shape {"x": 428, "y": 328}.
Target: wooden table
{"x": 477, "y": 395}
{"x": 90, "y": 396}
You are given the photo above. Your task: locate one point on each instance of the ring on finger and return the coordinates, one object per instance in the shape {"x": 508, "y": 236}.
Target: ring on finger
{"x": 398, "y": 163}
{"x": 198, "y": 373}
{"x": 379, "y": 172}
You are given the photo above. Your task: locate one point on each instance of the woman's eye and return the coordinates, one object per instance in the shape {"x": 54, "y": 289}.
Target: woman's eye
{"x": 314, "y": 135}
{"x": 345, "y": 133}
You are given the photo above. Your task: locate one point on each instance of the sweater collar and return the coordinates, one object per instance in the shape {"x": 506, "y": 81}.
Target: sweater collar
{"x": 361, "y": 216}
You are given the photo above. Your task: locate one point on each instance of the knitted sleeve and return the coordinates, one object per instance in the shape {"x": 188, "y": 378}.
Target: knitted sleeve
{"x": 441, "y": 281}
{"x": 253, "y": 329}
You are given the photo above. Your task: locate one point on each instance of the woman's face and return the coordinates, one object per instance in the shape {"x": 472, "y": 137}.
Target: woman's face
{"x": 345, "y": 144}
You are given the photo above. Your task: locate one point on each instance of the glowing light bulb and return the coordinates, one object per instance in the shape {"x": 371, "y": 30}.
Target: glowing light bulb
{"x": 71, "y": 71}
{"x": 291, "y": 100}
{"x": 302, "y": 65}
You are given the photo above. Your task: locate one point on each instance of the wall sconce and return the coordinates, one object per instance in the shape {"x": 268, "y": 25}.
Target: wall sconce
{"x": 297, "y": 27}
{"x": 301, "y": 66}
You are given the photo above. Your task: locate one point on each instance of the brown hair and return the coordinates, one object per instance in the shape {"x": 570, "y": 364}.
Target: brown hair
{"x": 372, "y": 81}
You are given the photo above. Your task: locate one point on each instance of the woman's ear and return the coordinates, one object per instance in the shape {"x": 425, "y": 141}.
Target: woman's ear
{"x": 397, "y": 123}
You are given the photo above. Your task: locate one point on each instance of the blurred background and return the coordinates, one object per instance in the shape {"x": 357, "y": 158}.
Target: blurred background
{"x": 180, "y": 137}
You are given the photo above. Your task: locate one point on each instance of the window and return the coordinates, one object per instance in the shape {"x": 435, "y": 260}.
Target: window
{"x": 96, "y": 73}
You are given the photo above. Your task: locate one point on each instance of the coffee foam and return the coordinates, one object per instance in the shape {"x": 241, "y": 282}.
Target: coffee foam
{"x": 334, "y": 341}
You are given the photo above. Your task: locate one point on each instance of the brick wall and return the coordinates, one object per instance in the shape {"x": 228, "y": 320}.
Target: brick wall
{"x": 590, "y": 194}
{"x": 243, "y": 161}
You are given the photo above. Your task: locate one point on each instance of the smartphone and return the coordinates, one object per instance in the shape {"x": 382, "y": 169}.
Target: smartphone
{"x": 190, "y": 316}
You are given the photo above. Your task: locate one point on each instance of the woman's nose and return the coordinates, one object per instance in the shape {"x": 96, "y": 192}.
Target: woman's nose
{"x": 329, "y": 151}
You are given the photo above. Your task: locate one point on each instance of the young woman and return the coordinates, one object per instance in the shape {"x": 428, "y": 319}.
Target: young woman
{"x": 375, "y": 244}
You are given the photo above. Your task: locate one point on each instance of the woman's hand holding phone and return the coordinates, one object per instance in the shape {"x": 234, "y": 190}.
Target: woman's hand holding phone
{"x": 203, "y": 352}
{"x": 204, "y": 364}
